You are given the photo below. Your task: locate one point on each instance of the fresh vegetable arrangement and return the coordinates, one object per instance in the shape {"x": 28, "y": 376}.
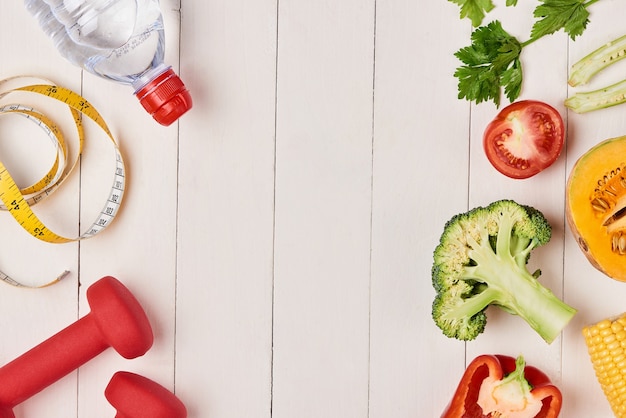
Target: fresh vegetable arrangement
{"x": 481, "y": 261}
{"x": 498, "y": 385}
{"x": 524, "y": 138}
{"x": 481, "y": 258}
{"x": 492, "y": 62}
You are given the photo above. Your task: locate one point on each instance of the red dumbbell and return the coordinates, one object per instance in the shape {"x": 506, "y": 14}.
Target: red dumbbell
{"x": 116, "y": 320}
{"x": 135, "y": 396}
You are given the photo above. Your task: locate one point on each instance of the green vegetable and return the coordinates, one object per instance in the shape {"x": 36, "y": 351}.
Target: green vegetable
{"x": 476, "y": 10}
{"x": 583, "y": 102}
{"x": 481, "y": 261}
{"x": 570, "y": 15}
{"x": 492, "y": 61}
{"x": 589, "y": 66}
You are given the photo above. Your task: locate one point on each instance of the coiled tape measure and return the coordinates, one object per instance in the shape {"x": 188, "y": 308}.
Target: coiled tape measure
{"x": 18, "y": 202}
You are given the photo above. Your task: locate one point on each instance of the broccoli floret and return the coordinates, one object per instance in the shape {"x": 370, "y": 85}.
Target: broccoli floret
{"x": 481, "y": 260}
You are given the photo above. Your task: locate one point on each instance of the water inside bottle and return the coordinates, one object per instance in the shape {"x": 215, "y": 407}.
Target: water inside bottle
{"x": 102, "y": 24}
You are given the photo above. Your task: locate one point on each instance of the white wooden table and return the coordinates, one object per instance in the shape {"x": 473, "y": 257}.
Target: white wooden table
{"x": 280, "y": 235}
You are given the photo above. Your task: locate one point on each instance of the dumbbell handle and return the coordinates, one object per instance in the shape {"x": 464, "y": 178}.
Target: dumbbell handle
{"x": 49, "y": 361}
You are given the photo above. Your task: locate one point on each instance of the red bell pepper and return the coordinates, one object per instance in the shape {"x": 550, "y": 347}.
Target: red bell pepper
{"x": 504, "y": 387}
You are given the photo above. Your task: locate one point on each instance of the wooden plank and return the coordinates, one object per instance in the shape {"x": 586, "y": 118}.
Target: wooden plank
{"x": 31, "y": 316}
{"x": 421, "y": 154}
{"x": 323, "y": 208}
{"x": 226, "y": 197}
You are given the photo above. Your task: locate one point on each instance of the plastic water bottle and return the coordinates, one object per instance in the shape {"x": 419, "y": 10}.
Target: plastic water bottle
{"x": 120, "y": 40}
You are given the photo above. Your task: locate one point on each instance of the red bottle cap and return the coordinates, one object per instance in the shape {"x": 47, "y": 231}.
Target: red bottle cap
{"x": 165, "y": 98}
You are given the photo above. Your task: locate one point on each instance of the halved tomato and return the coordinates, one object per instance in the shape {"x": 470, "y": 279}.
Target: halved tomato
{"x": 524, "y": 138}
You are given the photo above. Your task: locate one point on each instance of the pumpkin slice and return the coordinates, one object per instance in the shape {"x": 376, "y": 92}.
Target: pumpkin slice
{"x": 596, "y": 206}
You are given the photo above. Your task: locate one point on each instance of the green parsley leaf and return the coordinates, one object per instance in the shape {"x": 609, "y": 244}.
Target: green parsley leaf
{"x": 511, "y": 2}
{"x": 491, "y": 62}
{"x": 570, "y": 15}
{"x": 512, "y": 80}
{"x": 475, "y": 10}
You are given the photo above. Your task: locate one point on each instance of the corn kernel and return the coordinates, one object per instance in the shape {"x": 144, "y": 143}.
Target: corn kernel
{"x": 614, "y": 345}
{"x": 597, "y": 339}
{"x": 606, "y": 331}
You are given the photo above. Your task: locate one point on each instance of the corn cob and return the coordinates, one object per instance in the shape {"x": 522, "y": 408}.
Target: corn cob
{"x": 606, "y": 344}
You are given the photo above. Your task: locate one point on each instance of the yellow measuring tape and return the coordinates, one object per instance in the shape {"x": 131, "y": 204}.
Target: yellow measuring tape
{"x": 18, "y": 201}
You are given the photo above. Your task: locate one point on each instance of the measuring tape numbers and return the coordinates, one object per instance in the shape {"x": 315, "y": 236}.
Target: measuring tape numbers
{"x": 18, "y": 202}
